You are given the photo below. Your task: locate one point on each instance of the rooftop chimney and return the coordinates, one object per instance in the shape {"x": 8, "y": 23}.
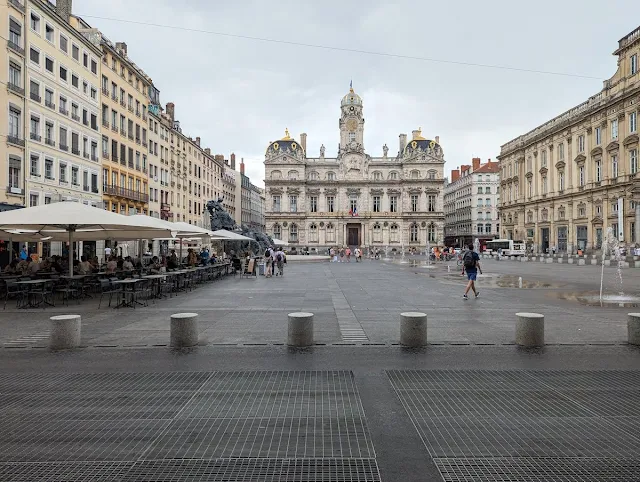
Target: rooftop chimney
{"x": 476, "y": 163}
{"x": 303, "y": 141}
{"x": 416, "y": 134}
{"x": 233, "y": 161}
{"x": 455, "y": 175}
{"x": 120, "y": 46}
{"x": 171, "y": 107}
{"x": 437, "y": 139}
{"x": 403, "y": 142}
{"x": 63, "y": 8}
{"x": 208, "y": 151}
{"x": 242, "y": 165}
{"x": 198, "y": 141}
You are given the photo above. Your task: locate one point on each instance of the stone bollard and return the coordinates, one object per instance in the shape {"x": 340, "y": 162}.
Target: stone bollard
{"x": 413, "y": 329}
{"x": 65, "y": 332}
{"x": 581, "y": 262}
{"x": 529, "y": 329}
{"x": 184, "y": 330}
{"x": 633, "y": 329}
{"x": 549, "y": 260}
{"x": 569, "y": 260}
{"x": 300, "y": 331}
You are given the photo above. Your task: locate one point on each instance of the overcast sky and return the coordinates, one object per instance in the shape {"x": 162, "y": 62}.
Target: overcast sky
{"x": 240, "y": 94}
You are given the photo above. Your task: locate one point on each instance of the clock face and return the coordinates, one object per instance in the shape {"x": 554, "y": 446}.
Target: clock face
{"x": 352, "y": 124}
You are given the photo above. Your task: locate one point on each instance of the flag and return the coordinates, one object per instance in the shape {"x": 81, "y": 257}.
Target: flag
{"x": 351, "y": 84}
{"x": 354, "y": 212}
{"x": 351, "y": 212}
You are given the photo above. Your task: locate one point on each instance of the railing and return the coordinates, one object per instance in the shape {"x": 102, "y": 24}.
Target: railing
{"x": 130, "y": 164}
{"x": 85, "y": 155}
{"x": 105, "y": 92}
{"x": 15, "y": 47}
{"x": 123, "y": 103}
{"x": 75, "y": 151}
{"x": 63, "y": 111}
{"x": 114, "y": 157}
{"x": 114, "y": 128}
{"x": 35, "y": 137}
{"x": 137, "y": 167}
{"x": 17, "y": 4}
{"x": 63, "y": 182}
{"x": 138, "y": 113}
{"x": 130, "y": 135}
{"x": 86, "y": 187}
{"x": 627, "y": 39}
{"x": 75, "y": 117}
{"x": 114, "y": 97}
{"x": 130, "y": 107}
{"x": 94, "y": 190}
{"x": 50, "y": 142}
{"x": 35, "y": 97}
{"x": 105, "y": 123}
{"x": 15, "y": 88}
{"x": 123, "y": 132}
{"x": 94, "y": 158}
{"x": 64, "y": 147}
{"x": 15, "y": 140}
{"x": 137, "y": 140}
{"x": 50, "y": 105}
{"x": 125, "y": 193}
{"x": 105, "y": 155}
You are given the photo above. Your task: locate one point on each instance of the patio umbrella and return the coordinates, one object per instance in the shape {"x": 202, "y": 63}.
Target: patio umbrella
{"x": 278, "y": 242}
{"x": 79, "y": 221}
{"x": 231, "y": 236}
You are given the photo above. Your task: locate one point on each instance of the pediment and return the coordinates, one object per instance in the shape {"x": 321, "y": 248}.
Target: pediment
{"x": 516, "y": 178}
{"x": 284, "y": 159}
{"x": 414, "y": 190}
{"x": 331, "y": 191}
{"x": 580, "y": 158}
{"x": 353, "y": 191}
{"x": 543, "y": 170}
{"x": 631, "y": 139}
{"x": 313, "y": 190}
{"x": 392, "y": 190}
{"x": 377, "y": 191}
{"x": 613, "y": 146}
{"x": 431, "y": 190}
{"x": 529, "y": 175}
{"x": 596, "y": 220}
{"x": 276, "y": 190}
{"x": 596, "y": 151}
{"x": 560, "y": 165}
{"x": 293, "y": 190}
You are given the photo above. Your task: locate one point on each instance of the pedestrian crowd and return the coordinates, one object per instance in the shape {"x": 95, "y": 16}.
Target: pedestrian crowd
{"x": 344, "y": 254}
{"x": 274, "y": 258}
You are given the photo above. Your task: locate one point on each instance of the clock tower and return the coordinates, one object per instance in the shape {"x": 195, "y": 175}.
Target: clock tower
{"x": 351, "y": 121}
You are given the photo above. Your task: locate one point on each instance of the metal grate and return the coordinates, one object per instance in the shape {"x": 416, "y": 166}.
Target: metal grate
{"x": 157, "y": 382}
{"x": 64, "y": 471}
{"x": 513, "y": 469}
{"x": 609, "y": 403}
{"x": 250, "y": 470}
{"x": 588, "y": 380}
{"x": 463, "y": 380}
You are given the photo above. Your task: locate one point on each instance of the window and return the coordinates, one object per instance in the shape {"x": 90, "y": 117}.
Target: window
{"x": 614, "y": 207}
{"x": 415, "y": 174}
{"x": 413, "y": 233}
{"x": 94, "y": 67}
{"x": 277, "y": 232}
{"x": 581, "y": 143}
{"x": 598, "y": 136}
{"x": 293, "y": 175}
{"x": 487, "y": 228}
{"x": 34, "y": 90}
{"x": 75, "y": 52}
{"x": 352, "y": 136}
{"x": 487, "y": 190}
{"x": 331, "y": 176}
{"x": 276, "y": 203}
{"x": 561, "y": 181}
{"x": 48, "y": 132}
{"x": 561, "y": 151}
{"x": 479, "y": 202}
{"x": 543, "y": 157}
{"x": 63, "y": 137}
{"x": 377, "y": 233}
{"x": 581, "y": 176}
{"x": 14, "y": 172}
{"x": 614, "y": 129}
{"x": 480, "y": 228}
{"x": 33, "y": 199}
{"x": 35, "y": 22}
{"x": 63, "y": 43}
{"x": 376, "y": 204}
{"x": 35, "y": 165}
{"x": 633, "y": 122}
{"x": 313, "y": 233}
{"x": 313, "y": 204}
{"x": 530, "y": 187}
{"x": 353, "y": 207}
{"x": 394, "y": 234}
{"x": 63, "y": 73}
{"x": 544, "y": 185}
{"x": 94, "y": 121}
{"x": 34, "y": 55}
{"x": 431, "y": 233}
{"x": 293, "y": 233}
{"x": 85, "y": 88}
{"x": 15, "y": 74}
{"x": 330, "y": 204}
{"x": 414, "y": 203}
{"x": 313, "y": 176}
{"x": 633, "y": 161}
{"x": 35, "y": 127}
{"x": 431, "y": 175}
{"x": 393, "y": 176}
{"x": 598, "y": 171}
{"x": 377, "y": 176}
{"x": 75, "y": 81}
{"x": 487, "y": 202}
{"x": 63, "y": 106}
{"x": 479, "y": 190}
{"x": 431, "y": 203}
{"x": 393, "y": 204}
{"x": 331, "y": 233}
{"x": 48, "y": 64}
{"x": 293, "y": 203}
{"x": 48, "y": 29}
{"x": 15, "y": 32}
{"x": 634, "y": 64}
{"x": 614, "y": 167}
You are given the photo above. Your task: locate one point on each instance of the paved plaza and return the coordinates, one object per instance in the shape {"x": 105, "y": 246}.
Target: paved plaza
{"x": 356, "y": 407}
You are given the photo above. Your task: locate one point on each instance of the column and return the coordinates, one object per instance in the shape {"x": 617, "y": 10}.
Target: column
{"x": 637, "y": 221}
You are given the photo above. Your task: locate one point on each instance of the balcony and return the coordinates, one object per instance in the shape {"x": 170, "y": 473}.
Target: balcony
{"x": 17, "y": 5}
{"x": 75, "y": 150}
{"x": 85, "y": 155}
{"x": 130, "y": 107}
{"x": 105, "y": 123}
{"x": 138, "y": 113}
{"x": 114, "y": 157}
{"x": 35, "y": 97}
{"x": 123, "y": 103}
{"x": 16, "y": 89}
{"x": 105, "y": 155}
{"x": 35, "y": 137}
{"x": 64, "y": 147}
{"x": 130, "y": 135}
{"x": 75, "y": 117}
{"x": 94, "y": 158}
{"x": 86, "y": 188}
{"x": 114, "y": 97}
{"x": 165, "y": 207}
{"x": 63, "y": 182}
{"x": 63, "y": 111}
{"x": 144, "y": 117}
{"x": 94, "y": 190}
{"x": 16, "y": 141}
{"x": 114, "y": 128}
{"x": 137, "y": 167}
{"x": 18, "y": 191}
{"x": 144, "y": 144}
{"x": 123, "y": 132}
{"x": 130, "y": 165}
{"x": 15, "y": 47}
{"x": 125, "y": 193}
{"x": 50, "y": 105}
{"x": 50, "y": 142}
{"x": 137, "y": 140}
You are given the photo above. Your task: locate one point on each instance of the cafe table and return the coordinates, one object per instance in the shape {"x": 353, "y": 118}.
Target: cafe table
{"x": 31, "y": 300}
{"x": 124, "y": 284}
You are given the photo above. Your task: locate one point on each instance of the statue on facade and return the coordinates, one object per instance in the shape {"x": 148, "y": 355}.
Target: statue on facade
{"x": 322, "y": 151}
{"x": 385, "y": 150}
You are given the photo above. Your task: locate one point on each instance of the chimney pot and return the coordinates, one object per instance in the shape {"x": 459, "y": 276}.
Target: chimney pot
{"x": 64, "y": 8}
{"x": 198, "y": 141}
{"x": 403, "y": 142}
{"x": 476, "y": 163}
{"x": 171, "y": 110}
{"x": 437, "y": 139}
{"x": 303, "y": 141}
{"x": 242, "y": 165}
{"x": 233, "y": 161}
{"x": 455, "y": 175}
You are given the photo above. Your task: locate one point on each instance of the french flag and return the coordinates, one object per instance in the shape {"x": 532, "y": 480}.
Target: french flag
{"x": 353, "y": 212}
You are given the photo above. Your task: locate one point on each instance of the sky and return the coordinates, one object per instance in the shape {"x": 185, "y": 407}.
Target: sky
{"x": 240, "y": 94}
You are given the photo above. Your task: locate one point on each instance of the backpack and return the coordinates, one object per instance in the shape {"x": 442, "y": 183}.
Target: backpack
{"x": 267, "y": 253}
{"x": 278, "y": 257}
{"x": 468, "y": 260}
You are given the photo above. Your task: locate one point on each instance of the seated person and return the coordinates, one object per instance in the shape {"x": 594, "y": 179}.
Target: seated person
{"x": 45, "y": 265}
{"x": 23, "y": 265}
{"x": 55, "y": 265}
{"x": 154, "y": 266}
{"x": 34, "y": 267}
{"x": 112, "y": 265}
{"x": 213, "y": 259}
{"x": 84, "y": 267}
{"x": 12, "y": 267}
{"x": 95, "y": 264}
{"x": 127, "y": 265}
{"x": 172, "y": 263}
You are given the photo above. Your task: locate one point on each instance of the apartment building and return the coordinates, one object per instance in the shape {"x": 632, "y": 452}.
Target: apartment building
{"x": 229, "y": 186}
{"x": 156, "y": 182}
{"x": 14, "y": 24}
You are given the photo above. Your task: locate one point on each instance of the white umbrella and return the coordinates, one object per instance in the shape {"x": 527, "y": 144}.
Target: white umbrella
{"x": 73, "y": 218}
{"x": 231, "y": 236}
{"x": 278, "y": 242}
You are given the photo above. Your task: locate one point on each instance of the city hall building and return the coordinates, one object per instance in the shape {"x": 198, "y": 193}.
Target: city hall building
{"x": 355, "y": 199}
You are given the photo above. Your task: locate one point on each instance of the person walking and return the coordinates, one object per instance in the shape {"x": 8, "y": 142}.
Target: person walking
{"x": 280, "y": 260}
{"x": 348, "y": 253}
{"x": 334, "y": 256}
{"x": 268, "y": 257}
{"x": 356, "y": 253}
{"x": 471, "y": 264}
{"x": 341, "y": 255}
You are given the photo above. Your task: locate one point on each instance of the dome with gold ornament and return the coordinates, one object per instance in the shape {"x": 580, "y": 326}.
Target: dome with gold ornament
{"x": 351, "y": 99}
{"x": 420, "y": 143}
{"x": 286, "y": 144}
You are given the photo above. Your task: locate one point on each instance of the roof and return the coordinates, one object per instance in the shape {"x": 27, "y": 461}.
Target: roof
{"x": 488, "y": 168}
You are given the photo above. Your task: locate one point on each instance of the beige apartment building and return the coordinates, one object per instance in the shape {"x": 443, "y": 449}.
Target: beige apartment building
{"x": 13, "y": 102}
{"x": 568, "y": 180}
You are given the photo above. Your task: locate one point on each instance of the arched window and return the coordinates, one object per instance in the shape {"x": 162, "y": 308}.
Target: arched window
{"x": 377, "y": 233}
{"x": 313, "y": 233}
{"x": 479, "y": 190}
{"x": 487, "y": 229}
{"x": 415, "y": 174}
{"x": 276, "y": 175}
{"x": 293, "y": 175}
{"x": 377, "y": 176}
{"x": 331, "y": 176}
{"x": 431, "y": 233}
{"x": 431, "y": 175}
{"x": 277, "y": 231}
{"x": 393, "y": 175}
{"x": 394, "y": 235}
{"x": 331, "y": 233}
{"x": 313, "y": 176}
{"x": 413, "y": 233}
{"x": 293, "y": 233}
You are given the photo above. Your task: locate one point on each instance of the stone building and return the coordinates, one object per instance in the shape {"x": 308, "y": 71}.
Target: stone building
{"x": 471, "y": 204}
{"x": 355, "y": 199}
{"x": 568, "y": 180}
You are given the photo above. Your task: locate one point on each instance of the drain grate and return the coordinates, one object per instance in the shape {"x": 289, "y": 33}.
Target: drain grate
{"x": 64, "y": 471}
{"x": 589, "y": 380}
{"x": 514, "y": 469}
{"x": 610, "y": 403}
{"x": 463, "y": 380}
{"x": 249, "y": 470}
{"x": 104, "y": 382}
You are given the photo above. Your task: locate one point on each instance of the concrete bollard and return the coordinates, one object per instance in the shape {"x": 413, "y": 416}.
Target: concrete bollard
{"x": 581, "y": 262}
{"x": 413, "y": 329}
{"x": 549, "y": 260}
{"x": 529, "y": 329}
{"x": 65, "y": 332}
{"x": 300, "y": 331}
{"x": 633, "y": 329}
{"x": 570, "y": 260}
{"x": 184, "y": 330}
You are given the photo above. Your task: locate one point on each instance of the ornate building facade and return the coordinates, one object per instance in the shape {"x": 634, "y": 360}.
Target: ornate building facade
{"x": 355, "y": 199}
{"x": 568, "y": 180}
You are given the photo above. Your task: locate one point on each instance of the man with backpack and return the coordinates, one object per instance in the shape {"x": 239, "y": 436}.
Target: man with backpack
{"x": 280, "y": 260}
{"x": 471, "y": 264}
{"x": 268, "y": 257}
